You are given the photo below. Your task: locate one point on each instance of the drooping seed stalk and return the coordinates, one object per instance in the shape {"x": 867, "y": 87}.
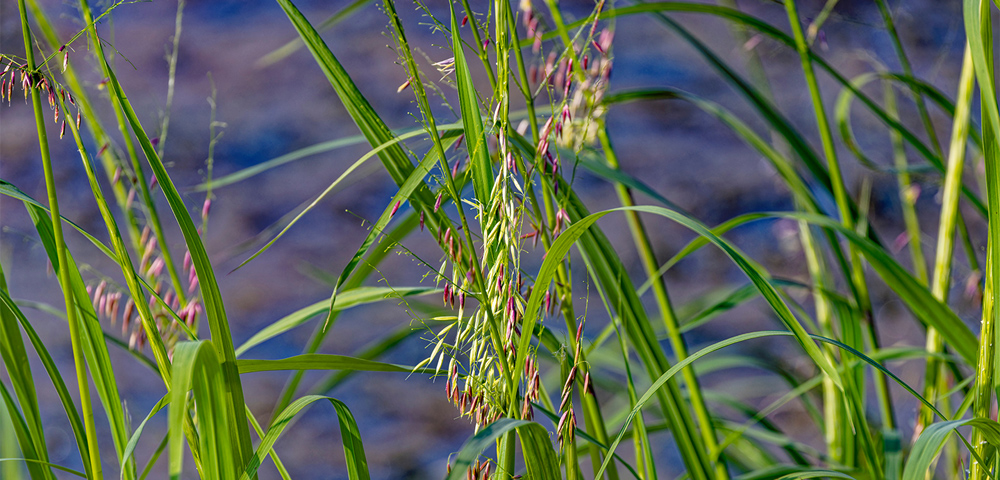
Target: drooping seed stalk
{"x": 506, "y": 445}
{"x": 94, "y": 469}
{"x": 501, "y": 92}
{"x": 944, "y": 256}
{"x": 450, "y": 184}
{"x": 706, "y": 441}
{"x": 693, "y": 446}
{"x": 593, "y": 416}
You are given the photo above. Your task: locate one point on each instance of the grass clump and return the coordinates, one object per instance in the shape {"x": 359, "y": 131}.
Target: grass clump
{"x": 489, "y": 174}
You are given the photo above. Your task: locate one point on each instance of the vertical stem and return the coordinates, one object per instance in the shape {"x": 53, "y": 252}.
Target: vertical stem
{"x": 86, "y": 407}
{"x": 983, "y": 400}
{"x": 832, "y": 396}
{"x": 670, "y": 322}
{"x": 941, "y": 279}
{"x": 850, "y": 327}
{"x": 108, "y": 159}
{"x": 981, "y": 42}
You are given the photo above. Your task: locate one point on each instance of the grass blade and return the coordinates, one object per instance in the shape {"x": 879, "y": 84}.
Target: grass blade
{"x": 354, "y": 451}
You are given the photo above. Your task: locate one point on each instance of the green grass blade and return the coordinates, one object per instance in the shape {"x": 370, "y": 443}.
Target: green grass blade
{"x": 488, "y": 436}
{"x": 94, "y": 347}
{"x": 214, "y": 308}
{"x": 816, "y": 474}
{"x": 35, "y": 459}
{"x": 249, "y": 172}
{"x": 7, "y": 188}
{"x": 294, "y": 45}
{"x": 370, "y": 352}
{"x": 354, "y": 451}
{"x": 669, "y": 374}
{"x": 800, "y": 190}
{"x": 928, "y": 446}
{"x": 197, "y": 368}
{"x": 415, "y": 180}
{"x": 482, "y": 166}
{"x": 323, "y": 361}
{"x": 396, "y": 162}
{"x": 405, "y": 192}
{"x": 15, "y": 362}
{"x": 346, "y": 299}
{"x": 7, "y": 306}
{"x": 134, "y": 440}
{"x": 562, "y": 245}
{"x": 925, "y": 307}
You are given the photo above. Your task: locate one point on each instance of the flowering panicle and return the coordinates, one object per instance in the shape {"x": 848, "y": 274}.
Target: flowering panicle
{"x": 56, "y": 95}
{"x": 488, "y": 337}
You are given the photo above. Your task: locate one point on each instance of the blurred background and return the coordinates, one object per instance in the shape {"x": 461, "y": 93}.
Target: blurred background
{"x": 408, "y": 426}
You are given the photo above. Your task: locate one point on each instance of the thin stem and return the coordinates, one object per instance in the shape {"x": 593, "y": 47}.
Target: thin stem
{"x": 86, "y": 407}
{"x": 850, "y": 327}
{"x": 108, "y": 158}
{"x": 670, "y": 321}
{"x": 944, "y": 256}
{"x": 982, "y": 406}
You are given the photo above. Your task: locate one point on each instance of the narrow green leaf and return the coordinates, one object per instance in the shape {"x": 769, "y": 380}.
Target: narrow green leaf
{"x": 197, "y": 368}
{"x": 487, "y": 437}
{"x": 215, "y": 311}
{"x": 354, "y": 451}
{"x": 561, "y": 247}
{"x": 475, "y": 140}
{"x": 322, "y": 361}
{"x": 7, "y": 188}
{"x": 134, "y": 440}
{"x": 928, "y": 446}
{"x": 347, "y": 299}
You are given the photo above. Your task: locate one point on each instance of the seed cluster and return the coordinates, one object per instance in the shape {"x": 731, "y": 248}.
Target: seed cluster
{"x": 166, "y": 306}
{"x": 56, "y": 95}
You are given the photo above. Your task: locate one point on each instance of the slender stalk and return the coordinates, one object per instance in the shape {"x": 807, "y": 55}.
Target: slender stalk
{"x": 904, "y": 62}
{"x": 94, "y": 469}
{"x": 944, "y": 256}
{"x": 834, "y": 431}
{"x": 480, "y": 46}
{"x": 670, "y": 321}
{"x": 982, "y": 406}
{"x": 850, "y": 327}
{"x": 97, "y": 131}
{"x": 171, "y": 80}
{"x": 907, "y": 198}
